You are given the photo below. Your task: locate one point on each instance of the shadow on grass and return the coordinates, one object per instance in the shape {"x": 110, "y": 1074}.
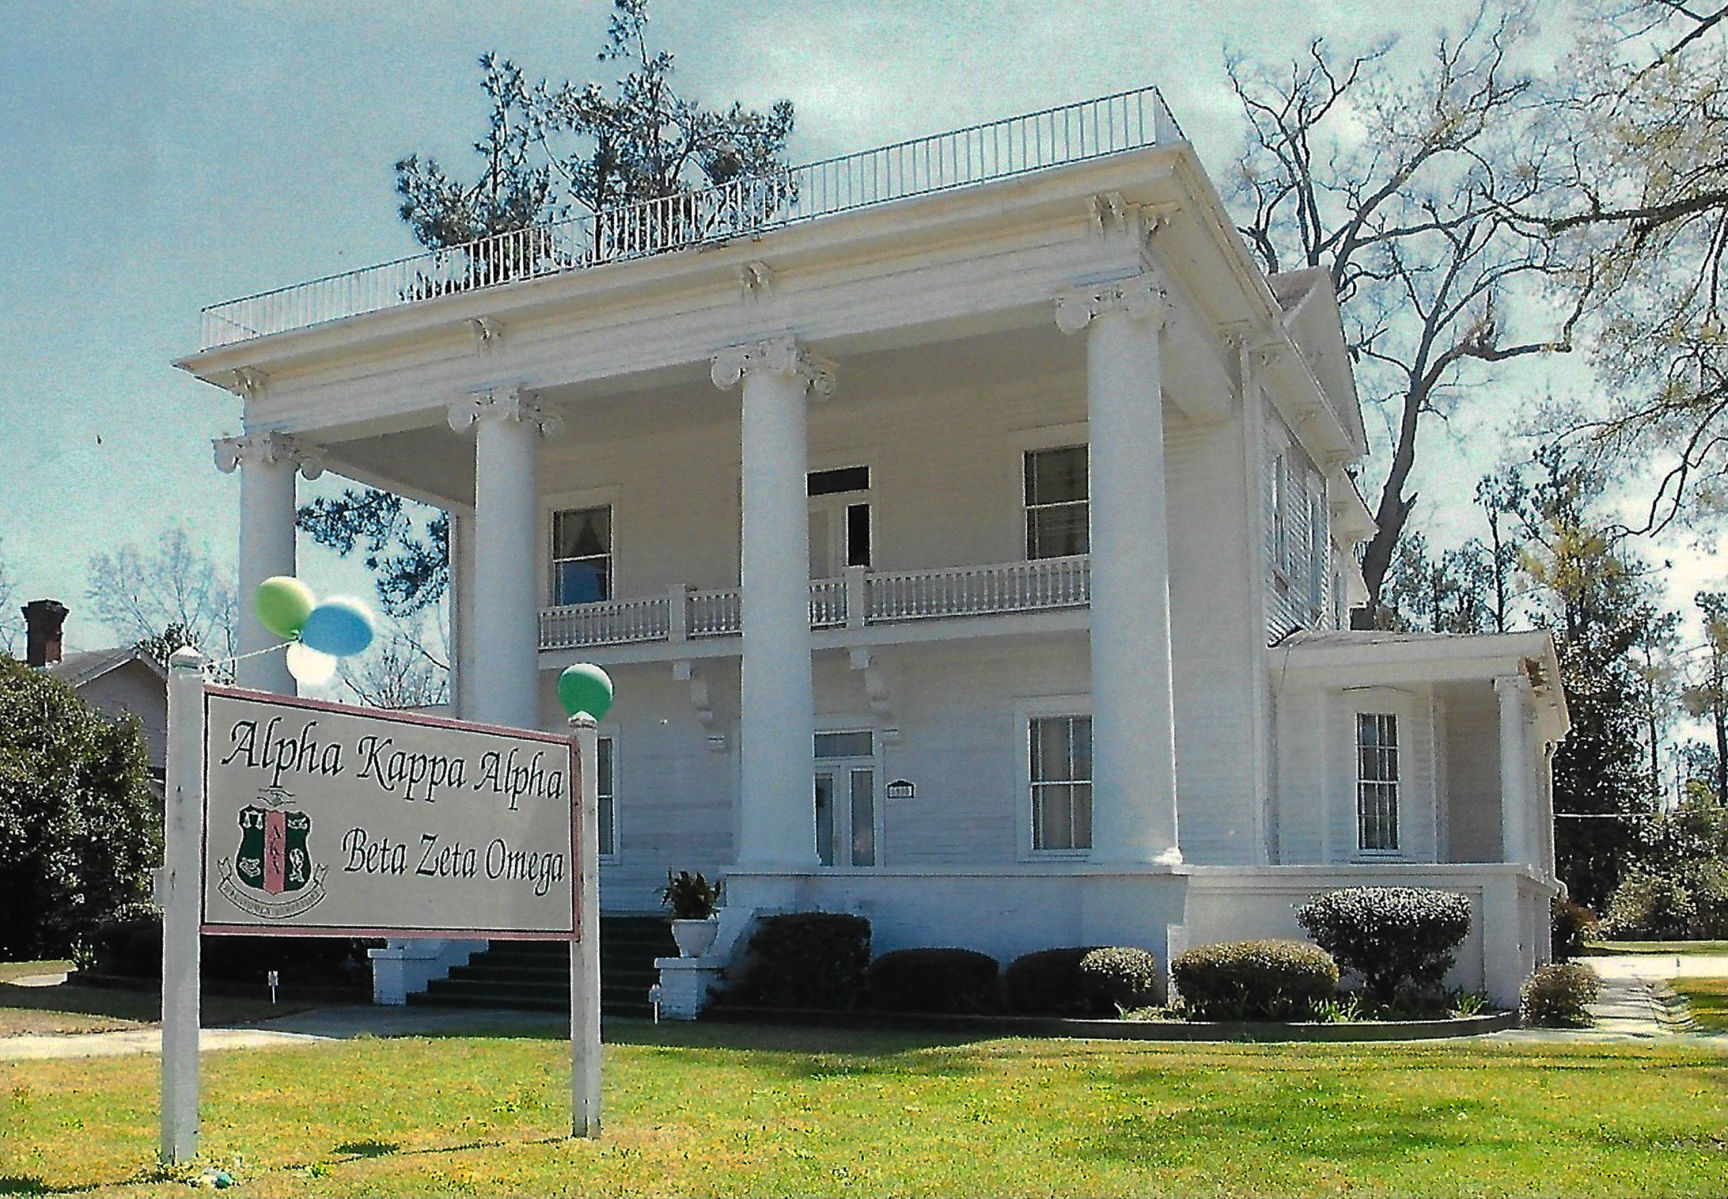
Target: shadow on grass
{"x": 24, "y": 1184}
{"x": 359, "y": 1149}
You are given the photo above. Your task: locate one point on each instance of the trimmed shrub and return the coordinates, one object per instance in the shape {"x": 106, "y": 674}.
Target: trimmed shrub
{"x": 804, "y": 960}
{"x": 1555, "y": 996}
{"x": 1570, "y": 923}
{"x": 1648, "y": 906}
{"x": 131, "y": 946}
{"x": 1254, "y": 980}
{"x": 1047, "y": 983}
{"x": 933, "y": 980}
{"x": 1397, "y": 938}
{"x": 1119, "y": 978}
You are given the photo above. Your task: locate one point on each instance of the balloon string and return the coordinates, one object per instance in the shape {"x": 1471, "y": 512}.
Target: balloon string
{"x": 213, "y": 663}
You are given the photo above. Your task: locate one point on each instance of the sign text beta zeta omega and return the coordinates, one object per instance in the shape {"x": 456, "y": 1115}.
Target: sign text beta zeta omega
{"x": 331, "y": 820}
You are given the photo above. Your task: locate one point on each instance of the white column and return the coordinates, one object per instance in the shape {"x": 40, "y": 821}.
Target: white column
{"x": 267, "y": 463}
{"x": 505, "y": 618}
{"x": 1133, "y": 725}
{"x": 777, "y": 820}
{"x": 1516, "y": 797}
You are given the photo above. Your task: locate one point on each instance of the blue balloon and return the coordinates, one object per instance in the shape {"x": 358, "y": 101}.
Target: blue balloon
{"x": 341, "y": 626}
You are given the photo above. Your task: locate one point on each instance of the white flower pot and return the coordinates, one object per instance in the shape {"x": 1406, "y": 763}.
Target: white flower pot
{"x": 695, "y": 937}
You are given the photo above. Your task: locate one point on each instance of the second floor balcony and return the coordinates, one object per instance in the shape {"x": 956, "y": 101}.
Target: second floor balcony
{"x": 859, "y": 599}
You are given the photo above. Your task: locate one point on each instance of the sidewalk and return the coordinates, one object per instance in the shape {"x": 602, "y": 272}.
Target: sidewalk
{"x": 1635, "y": 1003}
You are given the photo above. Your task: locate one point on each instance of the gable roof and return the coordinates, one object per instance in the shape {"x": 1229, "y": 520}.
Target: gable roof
{"x": 85, "y": 666}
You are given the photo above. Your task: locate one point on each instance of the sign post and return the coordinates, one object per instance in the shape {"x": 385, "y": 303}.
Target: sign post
{"x": 180, "y": 882}
{"x": 585, "y": 950}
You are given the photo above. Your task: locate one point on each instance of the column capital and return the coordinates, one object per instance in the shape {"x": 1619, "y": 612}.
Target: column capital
{"x": 782, "y": 356}
{"x": 1142, "y": 297}
{"x": 268, "y": 447}
{"x": 505, "y": 402}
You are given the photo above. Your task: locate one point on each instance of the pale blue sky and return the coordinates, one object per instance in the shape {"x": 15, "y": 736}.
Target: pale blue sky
{"x": 166, "y": 155}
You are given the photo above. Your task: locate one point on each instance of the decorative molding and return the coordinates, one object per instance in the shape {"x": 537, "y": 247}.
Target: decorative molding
{"x": 875, "y": 684}
{"x": 701, "y": 702}
{"x": 248, "y": 382}
{"x": 269, "y": 447}
{"x": 755, "y": 280}
{"x": 487, "y": 332}
{"x": 779, "y": 355}
{"x": 1142, "y": 297}
{"x": 506, "y": 402}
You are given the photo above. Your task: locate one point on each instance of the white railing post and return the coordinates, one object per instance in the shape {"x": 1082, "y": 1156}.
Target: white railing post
{"x": 855, "y": 597}
{"x": 677, "y": 613}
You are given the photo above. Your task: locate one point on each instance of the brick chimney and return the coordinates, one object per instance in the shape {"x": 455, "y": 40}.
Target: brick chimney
{"x": 42, "y": 621}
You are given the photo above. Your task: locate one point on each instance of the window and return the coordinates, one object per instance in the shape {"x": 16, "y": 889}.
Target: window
{"x": 839, "y": 520}
{"x": 1377, "y": 781}
{"x": 1319, "y": 553}
{"x": 1056, "y": 503}
{"x": 608, "y": 809}
{"x": 582, "y": 555}
{"x": 1061, "y": 774}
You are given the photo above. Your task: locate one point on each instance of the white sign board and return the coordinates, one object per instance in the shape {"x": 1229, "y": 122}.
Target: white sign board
{"x": 329, "y": 820}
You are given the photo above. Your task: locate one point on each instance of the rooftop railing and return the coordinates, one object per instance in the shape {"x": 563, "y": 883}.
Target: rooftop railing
{"x": 996, "y": 150}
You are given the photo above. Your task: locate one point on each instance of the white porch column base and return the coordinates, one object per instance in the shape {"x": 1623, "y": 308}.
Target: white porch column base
{"x": 506, "y": 626}
{"x": 1133, "y": 702}
{"x": 685, "y": 984}
{"x": 777, "y": 820}
{"x": 402, "y": 967}
{"x": 267, "y": 463}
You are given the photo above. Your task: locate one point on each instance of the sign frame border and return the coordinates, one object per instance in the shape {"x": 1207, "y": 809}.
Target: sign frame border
{"x": 572, "y": 786}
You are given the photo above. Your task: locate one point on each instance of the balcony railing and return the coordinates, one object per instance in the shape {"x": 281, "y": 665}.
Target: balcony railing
{"x": 858, "y": 599}
{"x": 962, "y": 157}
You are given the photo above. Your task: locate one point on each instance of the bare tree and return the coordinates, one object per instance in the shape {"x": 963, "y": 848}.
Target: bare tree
{"x": 8, "y": 631}
{"x": 1402, "y": 188}
{"x": 175, "y": 590}
{"x": 408, "y": 667}
{"x": 1644, "y": 216}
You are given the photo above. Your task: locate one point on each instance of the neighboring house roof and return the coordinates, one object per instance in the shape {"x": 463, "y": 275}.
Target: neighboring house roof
{"x": 85, "y": 666}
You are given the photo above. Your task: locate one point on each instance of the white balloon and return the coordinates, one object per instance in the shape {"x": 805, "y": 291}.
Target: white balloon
{"x": 309, "y": 666}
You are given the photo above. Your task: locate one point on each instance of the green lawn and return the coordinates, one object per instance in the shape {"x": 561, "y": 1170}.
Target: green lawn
{"x": 1688, "y": 947}
{"x": 1708, "y": 999}
{"x": 734, "y": 1110}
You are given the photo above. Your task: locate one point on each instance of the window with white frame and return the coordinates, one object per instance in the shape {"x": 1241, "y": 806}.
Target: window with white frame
{"x": 1377, "y": 782}
{"x": 608, "y": 818}
{"x": 1280, "y": 511}
{"x": 1319, "y": 552}
{"x": 1057, "y": 509}
{"x": 1061, "y": 777}
{"x": 582, "y": 555}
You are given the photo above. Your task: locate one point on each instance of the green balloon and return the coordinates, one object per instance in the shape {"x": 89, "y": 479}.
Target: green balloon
{"x": 283, "y": 604}
{"x": 584, "y": 687}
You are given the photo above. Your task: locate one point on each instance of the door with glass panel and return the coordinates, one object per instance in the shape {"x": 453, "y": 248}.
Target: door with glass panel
{"x": 846, "y": 810}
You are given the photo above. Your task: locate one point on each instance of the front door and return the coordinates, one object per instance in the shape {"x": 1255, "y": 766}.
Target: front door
{"x": 846, "y": 799}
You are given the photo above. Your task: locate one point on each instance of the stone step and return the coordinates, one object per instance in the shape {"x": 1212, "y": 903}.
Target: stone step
{"x": 535, "y": 975}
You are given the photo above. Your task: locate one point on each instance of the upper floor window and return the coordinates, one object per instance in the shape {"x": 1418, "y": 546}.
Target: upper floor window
{"x": 1061, "y": 775}
{"x": 839, "y": 520}
{"x": 1377, "y": 781}
{"x": 582, "y": 555}
{"x": 1057, "y": 510}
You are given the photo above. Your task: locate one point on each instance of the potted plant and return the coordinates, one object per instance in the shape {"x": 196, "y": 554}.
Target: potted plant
{"x": 692, "y": 900}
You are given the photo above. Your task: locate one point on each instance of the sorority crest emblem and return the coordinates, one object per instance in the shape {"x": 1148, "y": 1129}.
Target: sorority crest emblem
{"x": 272, "y": 873}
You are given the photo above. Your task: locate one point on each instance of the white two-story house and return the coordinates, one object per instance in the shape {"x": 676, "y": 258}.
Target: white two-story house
{"x": 966, "y": 526}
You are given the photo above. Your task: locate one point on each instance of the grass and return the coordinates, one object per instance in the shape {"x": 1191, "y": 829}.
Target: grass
{"x": 1708, "y": 999}
{"x": 1669, "y": 947}
{"x": 740, "y": 1110}
{"x": 73, "y": 1009}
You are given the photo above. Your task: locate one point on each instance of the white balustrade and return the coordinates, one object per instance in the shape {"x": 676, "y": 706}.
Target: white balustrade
{"x": 1041, "y": 585}
{"x": 609, "y": 622}
{"x": 827, "y": 603}
{"x": 960, "y": 158}
{"x": 711, "y": 613}
{"x": 1001, "y": 589}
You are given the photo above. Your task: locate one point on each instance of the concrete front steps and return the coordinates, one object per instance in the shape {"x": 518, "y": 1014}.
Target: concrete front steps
{"x": 535, "y": 975}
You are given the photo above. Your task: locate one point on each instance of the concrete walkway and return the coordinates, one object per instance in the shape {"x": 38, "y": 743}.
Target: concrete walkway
{"x": 1635, "y": 1005}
